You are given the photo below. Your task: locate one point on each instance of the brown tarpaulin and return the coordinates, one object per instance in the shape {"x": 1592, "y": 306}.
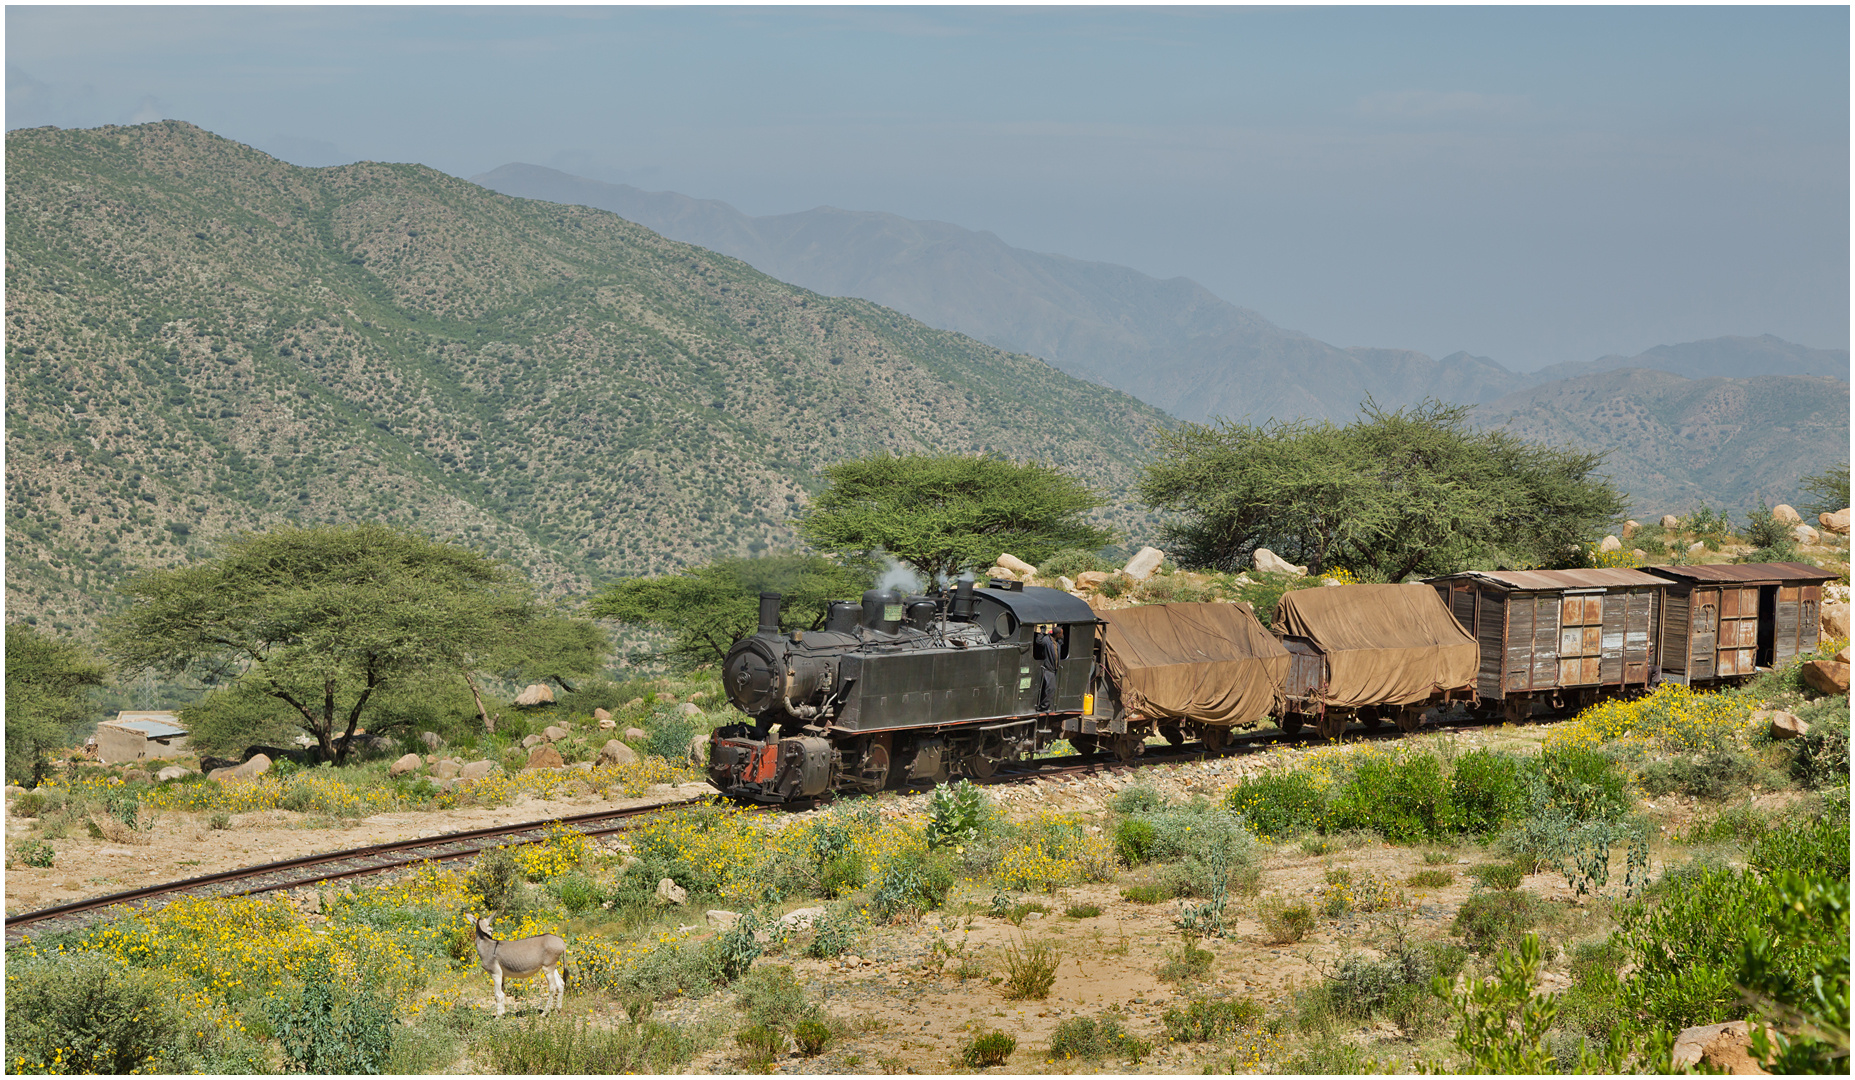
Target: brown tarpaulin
{"x": 1208, "y": 662}
{"x": 1385, "y": 644}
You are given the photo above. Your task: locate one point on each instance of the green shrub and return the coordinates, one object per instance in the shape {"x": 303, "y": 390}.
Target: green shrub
{"x": 320, "y": 1032}
{"x": 35, "y": 853}
{"x": 1499, "y": 875}
{"x": 1741, "y": 823}
{"x": 958, "y": 815}
{"x": 1717, "y": 773}
{"x": 575, "y": 891}
{"x": 813, "y": 1037}
{"x": 1331, "y": 1058}
{"x": 669, "y": 736}
{"x": 1285, "y": 921}
{"x": 988, "y": 1049}
{"x": 1438, "y": 858}
{"x": 772, "y": 996}
{"x": 1367, "y": 987}
{"x": 1765, "y": 531}
{"x": 833, "y": 935}
{"x": 1187, "y": 963}
{"x": 1092, "y": 1039}
{"x": 219, "y": 821}
{"x": 86, "y": 1013}
{"x": 762, "y": 1043}
{"x": 1133, "y": 839}
{"x": 1814, "y": 848}
{"x": 914, "y": 883}
{"x": 1210, "y": 1020}
{"x": 1277, "y": 804}
{"x": 1498, "y": 919}
{"x": 1403, "y": 797}
{"x": 1490, "y": 788}
{"x": 1030, "y": 970}
{"x": 1540, "y": 841}
{"x": 1147, "y": 894}
{"x": 1586, "y": 783}
{"x": 30, "y": 803}
{"x": 1070, "y": 562}
{"x": 499, "y": 881}
{"x": 1082, "y": 911}
{"x": 1137, "y": 798}
{"x": 1432, "y": 879}
{"x": 1821, "y": 758}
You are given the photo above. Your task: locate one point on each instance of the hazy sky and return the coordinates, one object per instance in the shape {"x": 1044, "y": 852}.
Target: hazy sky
{"x": 1533, "y": 185}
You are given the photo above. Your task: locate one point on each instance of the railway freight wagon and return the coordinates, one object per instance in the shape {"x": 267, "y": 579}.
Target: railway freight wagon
{"x": 1181, "y": 670}
{"x": 1730, "y": 621}
{"x": 1366, "y": 651}
{"x": 1559, "y": 636}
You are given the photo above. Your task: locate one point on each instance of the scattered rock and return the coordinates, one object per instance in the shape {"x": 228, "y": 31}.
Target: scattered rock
{"x": 999, "y": 573}
{"x": 1670, "y": 521}
{"x": 1723, "y": 1046}
{"x": 1090, "y": 579}
{"x": 533, "y": 741}
{"x": 632, "y": 734}
{"x": 1017, "y": 566}
{"x": 801, "y": 918}
{"x": 634, "y": 703}
{"x": 136, "y": 776}
{"x": 689, "y": 708}
{"x": 601, "y": 715}
{"x": 698, "y": 695}
{"x": 173, "y": 772}
{"x": 431, "y": 739}
{"x": 448, "y": 769}
{"x": 477, "y": 770}
{"x": 1639, "y": 553}
{"x": 1144, "y": 563}
{"x": 616, "y": 753}
{"x": 1842, "y": 655}
{"x": 1331, "y": 583}
{"x": 1804, "y": 534}
{"x": 1696, "y": 548}
{"x": 699, "y": 751}
{"x": 1064, "y": 583}
{"x": 1835, "y": 621}
{"x": 1827, "y": 676}
{"x": 544, "y": 757}
{"x": 410, "y": 763}
{"x": 1784, "y": 514}
{"x": 1786, "y": 726}
{"x": 250, "y": 770}
{"x": 607, "y": 724}
{"x": 1630, "y": 527}
{"x": 1268, "y": 562}
{"x": 554, "y": 733}
{"x": 535, "y": 694}
{"x": 1837, "y": 522}
{"x": 670, "y": 892}
{"x": 1610, "y": 543}
{"x": 722, "y": 920}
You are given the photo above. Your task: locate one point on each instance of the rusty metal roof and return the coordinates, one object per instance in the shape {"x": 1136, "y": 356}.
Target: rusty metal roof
{"x": 1747, "y": 573}
{"x": 1553, "y": 580}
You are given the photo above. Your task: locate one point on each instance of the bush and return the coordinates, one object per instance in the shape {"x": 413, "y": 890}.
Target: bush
{"x": 556, "y": 1045}
{"x": 1070, "y": 562}
{"x": 1147, "y": 894}
{"x": 496, "y": 877}
{"x": 762, "y": 1043}
{"x": 1082, "y": 911}
{"x": 31, "y": 803}
{"x": 1210, "y": 1021}
{"x": 988, "y": 1049}
{"x": 812, "y": 1036}
{"x": 1030, "y": 970}
{"x": 916, "y": 882}
{"x": 1277, "y": 804}
{"x": 1585, "y": 782}
{"x": 1431, "y": 879}
{"x": 321, "y": 1033}
{"x": 1498, "y": 919}
{"x": 833, "y": 935}
{"x": 1403, "y": 797}
{"x": 1133, "y": 839}
{"x": 1286, "y": 922}
{"x": 1137, "y": 798}
{"x": 35, "y": 853}
{"x": 1822, "y": 756}
{"x": 1717, "y": 773}
{"x": 669, "y": 736}
{"x": 575, "y": 891}
{"x": 957, "y": 815}
{"x": 1490, "y": 788}
{"x": 220, "y": 821}
{"x": 1815, "y": 848}
{"x": 1500, "y": 875}
{"x": 89, "y": 1014}
{"x": 1188, "y": 964}
{"x": 1093, "y": 1039}
{"x": 771, "y": 995}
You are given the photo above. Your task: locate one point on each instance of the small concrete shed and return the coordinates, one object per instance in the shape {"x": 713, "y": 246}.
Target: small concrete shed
{"x": 140, "y": 736}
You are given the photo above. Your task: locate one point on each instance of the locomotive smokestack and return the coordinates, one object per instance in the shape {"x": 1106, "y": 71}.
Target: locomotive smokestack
{"x": 963, "y": 599}
{"x": 769, "y": 613}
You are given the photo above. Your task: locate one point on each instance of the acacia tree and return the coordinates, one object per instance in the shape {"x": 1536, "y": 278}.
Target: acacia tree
{"x": 1415, "y": 491}
{"x": 322, "y": 618}
{"x": 708, "y": 608}
{"x": 48, "y": 685}
{"x": 944, "y": 513}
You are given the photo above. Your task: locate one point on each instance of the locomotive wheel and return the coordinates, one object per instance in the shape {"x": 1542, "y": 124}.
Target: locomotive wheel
{"x": 1129, "y": 746}
{"x": 1291, "y": 722}
{"x": 979, "y": 766}
{"x": 1173, "y": 734}
{"x": 1330, "y": 726}
{"x": 1410, "y": 720}
{"x": 1213, "y": 737}
{"x": 873, "y": 770}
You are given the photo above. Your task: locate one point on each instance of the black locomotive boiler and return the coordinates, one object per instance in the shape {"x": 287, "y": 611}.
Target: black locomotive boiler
{"x": 900, "y": 689}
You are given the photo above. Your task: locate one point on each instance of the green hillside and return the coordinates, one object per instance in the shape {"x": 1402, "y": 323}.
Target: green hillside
{"x": 202, "y": 339}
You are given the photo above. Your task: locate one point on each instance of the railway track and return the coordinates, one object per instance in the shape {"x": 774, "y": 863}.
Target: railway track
{"x": 328, "y": 866}
{"x": 384, "y": 858}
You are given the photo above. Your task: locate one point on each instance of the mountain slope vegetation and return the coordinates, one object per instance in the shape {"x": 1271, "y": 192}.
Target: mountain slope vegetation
{"x": 203, "y": 339}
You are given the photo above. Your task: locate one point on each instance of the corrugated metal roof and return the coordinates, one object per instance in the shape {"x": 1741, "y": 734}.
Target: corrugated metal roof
{"x": 158, "y": 725}
{"x": 1551, "y": 580}
{"x": 1747, "y": 573}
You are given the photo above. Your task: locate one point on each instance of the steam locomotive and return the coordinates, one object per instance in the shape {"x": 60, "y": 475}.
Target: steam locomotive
{"x": 900, "y": 689}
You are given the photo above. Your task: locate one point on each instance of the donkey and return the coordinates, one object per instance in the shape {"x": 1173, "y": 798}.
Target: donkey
{"x": 524, "y": 959}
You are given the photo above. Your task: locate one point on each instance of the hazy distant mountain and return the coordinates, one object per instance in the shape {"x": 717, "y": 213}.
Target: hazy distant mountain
{"x": 1724, "y": 357}
{"x": 1678, "y": 443}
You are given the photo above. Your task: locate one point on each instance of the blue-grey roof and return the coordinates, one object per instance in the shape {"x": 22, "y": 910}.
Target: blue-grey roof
{"x": 154, "y": 725}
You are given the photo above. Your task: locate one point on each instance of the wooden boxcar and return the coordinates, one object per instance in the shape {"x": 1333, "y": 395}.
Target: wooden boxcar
{"x": 1730, "y": 621}
{"x": 1561, "y": 636}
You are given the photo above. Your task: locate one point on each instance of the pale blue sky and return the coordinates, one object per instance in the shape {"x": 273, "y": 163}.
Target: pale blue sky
{"x": 1533, "y": 185}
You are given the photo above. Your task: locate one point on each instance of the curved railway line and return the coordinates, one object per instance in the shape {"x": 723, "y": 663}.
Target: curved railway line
{"x": 402, "y": 854}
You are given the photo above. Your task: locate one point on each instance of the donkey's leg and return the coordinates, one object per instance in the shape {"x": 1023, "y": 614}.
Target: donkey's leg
{"x": 498, "y": 976}
{"x": 557, "y": 982}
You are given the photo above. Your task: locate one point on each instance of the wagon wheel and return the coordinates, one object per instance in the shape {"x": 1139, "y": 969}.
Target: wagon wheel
{"x": 1085, "y": 744}
{"x": 978, "y": 766}
{"x": 1128, "y": 746}
{"x": 873, "y": 771}
{"x": 1214, "y": 737}
{"x": 1369, "y": 716}
{"x": 1330, "y": 725}
{"x": 1410, "y": 719}
{"x": 1172, "y": 733}
{"x": 1290, "y": 722}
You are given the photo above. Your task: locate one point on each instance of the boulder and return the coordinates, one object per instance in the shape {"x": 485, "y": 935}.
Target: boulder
{"x": 801, "y": 918}
{"x": 1827, "y": 676}
{"x": 723, "y": 920}
{"x": 1842, "y": 655}
{"x": 409, "y": 763}
{"x": 1786, "y": 726}
{"x": 1268, "y": 562}
{"x": 1144, "y": 563}
{"x": 699, "y": 751}
{"x": 607, "y": 724}
{"x": 1639, "y": 553}
{"x": 1610, "y": 543}
{"x": 601, "y": 715}
{"x": 698, "y": 695}
{"x": 448, "y": 769}
{"x": 544, "y": 757}
{"x": 532, "y": 741}
{"x": 1670, "y": 521}
{"x": 535, "y": 694}
{"x": 1090, "y": 579}
{"x": 999, "y": 573}
{"x": 250, "y": 770}
{"x": 173, "y": 772}
{"x": 1804, "y": 534}
{"x": 616, "y": 753}
{"x": 689, "y": 708}
{"x": 554, "y": 733}
{"x": 1331, "y": 583}
{"x": 1785, "y": 515}
{"x": 634, "y": 703}
{"x": 1837, "y": 522}
{"x": 669, "y": 892}
{"x": 431, "y": 739}
{"x": 136, "y": 776}
{"x": 1630, "y": 527}
{"x": 1017, "y": 566}
{"x": 1835, "y": 621}
{"x": 633, "y": 734}
{"x": 477, "y": 770}
{"x": 1696, "y": 548}
{"x": 1725, "y": 1047}
{"x": 1064, "y": 583}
